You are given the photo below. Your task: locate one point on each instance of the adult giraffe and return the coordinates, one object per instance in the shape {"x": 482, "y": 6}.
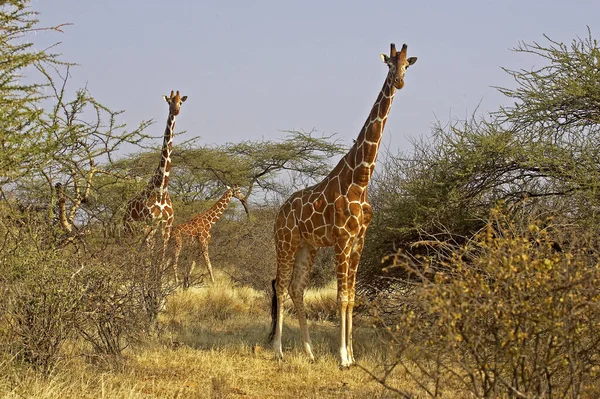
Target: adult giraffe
{"x": 334, "y": 212}
{"x": 153, "y": 204}
{"x": 199, "y": 229}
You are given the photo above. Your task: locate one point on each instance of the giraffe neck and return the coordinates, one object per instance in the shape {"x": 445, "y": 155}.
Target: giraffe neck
{"x": 213, "y": 214}
{"x": 360, "y": 159}
{"x": 160, "y": 179}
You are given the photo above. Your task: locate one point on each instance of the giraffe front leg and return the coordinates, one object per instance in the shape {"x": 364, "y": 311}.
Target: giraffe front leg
{"x": 342, "y": 300}
{"x": 354, "y": 260}
{"x": 342, "y": 260}
{"x": 285, "y": 267}
{"x": 355, "y": 255}
{"x": 204, "y": 249}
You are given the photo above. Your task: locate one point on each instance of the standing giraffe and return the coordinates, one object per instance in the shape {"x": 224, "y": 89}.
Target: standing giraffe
{"x": 334, "y": 212}
{"x": 153, "y": 204}
{"x": 199, "y": 229}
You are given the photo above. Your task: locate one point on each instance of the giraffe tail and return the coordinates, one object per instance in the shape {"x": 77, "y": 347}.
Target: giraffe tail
{"x": 273, "y": 312}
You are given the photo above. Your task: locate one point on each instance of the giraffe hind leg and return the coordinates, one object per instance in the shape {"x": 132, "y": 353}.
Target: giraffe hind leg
{"x": 204, "y": 247}
{"x": 285, "y": 265}
{"x": 300, "y": 277}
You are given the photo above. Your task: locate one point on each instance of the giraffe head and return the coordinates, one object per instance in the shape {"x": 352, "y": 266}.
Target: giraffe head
{"x": 398, "y": 63}
{"x": 175, "y": 101}
{"x": 235, "y": 190}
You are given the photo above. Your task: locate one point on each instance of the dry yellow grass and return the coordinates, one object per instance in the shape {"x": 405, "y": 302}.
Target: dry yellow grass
{"x": 213, "y": 346}
{"x": 321, "y": 303}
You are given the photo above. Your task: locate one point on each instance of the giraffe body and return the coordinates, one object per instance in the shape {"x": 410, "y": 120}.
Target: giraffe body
{"x": 153, "y": 205}
{"x": 198, "y": 230}
{"x": 334, "y": 212}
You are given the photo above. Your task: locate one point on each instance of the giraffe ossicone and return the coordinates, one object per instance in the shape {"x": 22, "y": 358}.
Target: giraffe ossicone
{"x": 153, "y": 205}
{"x": 198, "y": 229}
{"x": 334, "y": 212}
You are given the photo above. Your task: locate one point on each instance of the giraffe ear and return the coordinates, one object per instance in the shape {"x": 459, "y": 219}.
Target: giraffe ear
{"x": 411, "y": 60}
{"x": 166, "y": 98}
{"x": 183, "y": 99}
{"x": 384, "y": 58}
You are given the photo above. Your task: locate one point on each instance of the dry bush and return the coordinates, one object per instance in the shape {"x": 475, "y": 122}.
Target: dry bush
{"x": 52, "y": 294}
{"x": 112, "y": 315}
{"x": 39, "y": 300}
{"x": 513, "y": 314}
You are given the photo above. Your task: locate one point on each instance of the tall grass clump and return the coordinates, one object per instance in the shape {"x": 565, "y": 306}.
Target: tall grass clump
{"x": 219, "y": 301}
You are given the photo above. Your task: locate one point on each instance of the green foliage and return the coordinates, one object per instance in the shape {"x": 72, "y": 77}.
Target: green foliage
{"x": 299, "y": 152}
{"x": 501, "y": 305}
{"x": 563, "y": 95}
{"x": 22, "y": 141}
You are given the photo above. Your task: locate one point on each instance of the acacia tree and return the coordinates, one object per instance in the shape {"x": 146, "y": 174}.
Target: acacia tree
{"x": 273, "y": 166}
{"x": 87, "y": 136}
{"x": 304, "y": 156}
{"x": 260, "y": 163}
{"x": 49, "y": 136}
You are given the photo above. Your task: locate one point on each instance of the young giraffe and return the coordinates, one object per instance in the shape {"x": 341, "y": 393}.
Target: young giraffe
{"x": 199, "y": 229}
{"x": 153, "y": 204}
{"x": 334, "y": 212}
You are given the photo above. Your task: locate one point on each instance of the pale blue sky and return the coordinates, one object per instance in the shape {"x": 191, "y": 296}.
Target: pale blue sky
{"x": 253, "y": 68}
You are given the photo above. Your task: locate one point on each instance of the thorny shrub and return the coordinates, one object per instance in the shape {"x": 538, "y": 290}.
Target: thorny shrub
{"x": 510, "y": 313}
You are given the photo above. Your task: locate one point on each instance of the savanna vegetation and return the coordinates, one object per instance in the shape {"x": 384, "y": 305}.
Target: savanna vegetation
{"x": 480, "y": 275}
